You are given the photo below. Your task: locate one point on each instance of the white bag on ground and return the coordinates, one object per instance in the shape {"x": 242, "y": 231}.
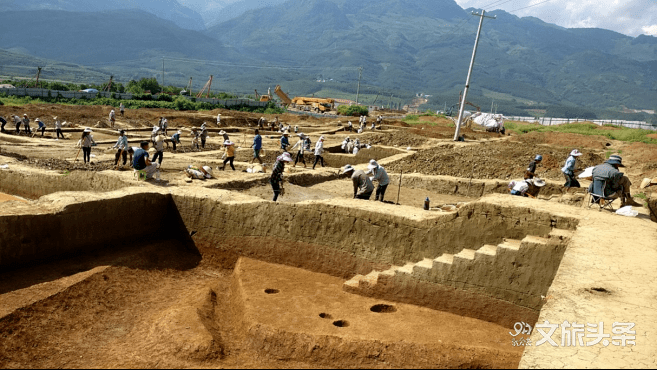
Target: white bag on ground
{"x": 627, "y": 211}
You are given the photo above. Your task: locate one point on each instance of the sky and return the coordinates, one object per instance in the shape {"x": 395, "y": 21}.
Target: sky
{"x": 629, "y": 17}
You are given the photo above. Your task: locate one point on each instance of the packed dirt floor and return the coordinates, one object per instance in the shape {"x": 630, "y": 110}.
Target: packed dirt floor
{"x": 157, "y": 304}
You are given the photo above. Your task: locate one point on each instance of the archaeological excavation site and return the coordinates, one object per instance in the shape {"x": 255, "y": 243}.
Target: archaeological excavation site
{"x": 99, "y": 268}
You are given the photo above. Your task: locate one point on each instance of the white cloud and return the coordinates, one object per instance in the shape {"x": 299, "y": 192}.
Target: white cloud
{"x": 650, "y": 30}
{"x": 630, "y": 17}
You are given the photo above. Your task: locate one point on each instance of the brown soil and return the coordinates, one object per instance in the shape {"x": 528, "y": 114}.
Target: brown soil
{"x": 561, "y": 139}
{"x": 491, "y": 160}
{"x": 402, "y": 138}
{"x": 9, "y": 198}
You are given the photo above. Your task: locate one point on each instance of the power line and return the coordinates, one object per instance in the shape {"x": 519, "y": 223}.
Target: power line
{"x": 498, "y": 3}
{"x": 530, "y": 6}
{"x": 221, "y": 64}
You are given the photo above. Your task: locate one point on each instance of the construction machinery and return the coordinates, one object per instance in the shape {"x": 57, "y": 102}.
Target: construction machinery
{"x": 262, "y": 98}
{"x": 109, "y": 84}
{"x": 284, "y": 98}
{"x": 317, "y": 104}
{"x": 37, "y": 77}
{"x": 187, "y": 90}
{"x": 205, "y": 88}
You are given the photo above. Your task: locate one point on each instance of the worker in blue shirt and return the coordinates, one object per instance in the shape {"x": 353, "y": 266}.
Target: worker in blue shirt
{"x": 285, "y": 141}
{"x": 257, "y": 146}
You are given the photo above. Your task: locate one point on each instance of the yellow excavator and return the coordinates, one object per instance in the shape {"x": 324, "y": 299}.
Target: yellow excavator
{"x": 318, "y": 104}
{"x": 262, "y": 98}
{"x": 284, "y": 98}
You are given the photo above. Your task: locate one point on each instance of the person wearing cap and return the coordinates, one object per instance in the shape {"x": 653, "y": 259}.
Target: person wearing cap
{"x": 198, "y": 172}
{"x": 159, "y": 148}
{"x": 42, "y": 126}
{"x": 224, "y": 134}
{"x": 122, "y": 146}
{"x": 3, "y": 121}
{"x": 229, "y": 152}
{"x": 122, "y": 109}
{"x": 301, "y": 144}
{"x": 569, "y": 170}
{"x": 257, "y": 146}
{"x": 276, "y": 179}
{"x": 58, "y": 128}
{"x": 175, "y": 139}
{"x": 26, "y": 125}
{"x": 381, "y": 177}
{"x": 86, "y": 142}
{"x": 363, "y": 186}
{"x": 616, "y": 184}
{"x": 140, "y": 161}
{"x": 112, "y": 118}
{"x": 285, "y": 141}
{"x": 531, "y": 169}
{"x": 319, "y": 150}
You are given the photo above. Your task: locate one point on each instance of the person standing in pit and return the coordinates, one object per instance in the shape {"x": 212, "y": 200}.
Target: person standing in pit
{"x": 204, "y": 135}
{"x": 319, "y": 150}
{"x": 175, "y": 139}
{"x": 257, "y": 146}
{"x": 224, "y": 134}
{"x": 219, "y": 119}
{"x": 229, "y": 152}
{"x": 122, "y": 109}
{"x": 58, "y": 128}
{"x": 301, "y": 144}
{"x": 531, "y": 170}
{"x": 380, "y": 176}
{"x": 112, "y": 118}
{"x": 42, "y": 126}
{"x": 285, "y": 141}
{"x": 26, "y": 125}
{"x": 165, "y": 126}
{"x": 276, "y": 179}
{"x": 17, "y": 122}
{"x": 86, "y": 142}
{"x": 122, "y": 148}
{"x": 141, "y": 162}
{"x": 569, "y": 170}
{"x": 159, "y": 148}
{"x": 3, "y": 121}
{"x": 195, "y": 138}
{"x": 363, "y": 186}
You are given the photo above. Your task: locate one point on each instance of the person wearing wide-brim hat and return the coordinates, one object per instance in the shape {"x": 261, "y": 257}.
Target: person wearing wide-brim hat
{"x": 285, "y": 140}
{"x": 381, "y": 177}
{"x": 26, "y": 124}
{"x": 229, "y": 150}
{"x": 363, "y": 187}
{"x": 616, "y": 184}
{"x": 528, "y": 187}
{"x": 86, "y": 142}
{"x": 175, "y": 139}
{"x": 58, "y": 127}
{"x": 225, "y": 135}
{"x": 569, "y": 170}
{"x": 319, "y": 150}
{"x": 301, "y": 144}
{"x": 276, "y": 179}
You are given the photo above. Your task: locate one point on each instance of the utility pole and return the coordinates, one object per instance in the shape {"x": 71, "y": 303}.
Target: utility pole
{"x": 162, "y": 74}
{"x": 467, "y": 81}
{"x": 360, "y": 75}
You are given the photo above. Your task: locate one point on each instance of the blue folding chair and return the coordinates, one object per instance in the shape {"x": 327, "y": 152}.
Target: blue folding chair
{"x": 596, "y": 196}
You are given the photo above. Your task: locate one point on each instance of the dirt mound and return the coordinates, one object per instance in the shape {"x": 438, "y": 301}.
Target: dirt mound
{"x": 402, "y": 139}
{"x": 61, "y": 165}
{"x": 572, "y": 141}
{"x": 491, "y": 160}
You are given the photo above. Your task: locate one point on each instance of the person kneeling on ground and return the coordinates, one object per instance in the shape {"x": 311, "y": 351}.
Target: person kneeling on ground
{"x": 276, "y": 179}
{"x": 380, "y": 176}
{"x": 616, "y": 184}
{"x": 229, "y": 152}
{"x": 363, "y": 186}
{"x": 527, "y": 188}
{"x": 142, "y": 163}
{"x": 569, "y": 170}
{"x": 122, "y": 146}
{"x": 198, "y": 172}
{"x": 159, "y": 148}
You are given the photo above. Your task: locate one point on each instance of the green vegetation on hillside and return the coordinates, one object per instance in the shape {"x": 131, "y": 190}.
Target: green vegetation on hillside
{"x": 617, "y": 133}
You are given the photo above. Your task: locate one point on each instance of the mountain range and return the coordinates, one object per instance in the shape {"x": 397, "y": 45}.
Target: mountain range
{"x": 404, "y": 47}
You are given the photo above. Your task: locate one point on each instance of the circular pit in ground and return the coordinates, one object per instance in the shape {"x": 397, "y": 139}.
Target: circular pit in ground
{"x": 325, "y": 315}
{"x": 272, "y": 291}
{"x": 383, "y": 308}
{"x": 341, "y": 323}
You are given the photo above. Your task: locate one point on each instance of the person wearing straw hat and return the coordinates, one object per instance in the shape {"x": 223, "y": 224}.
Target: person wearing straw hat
{"x": 112, "y": 118}
{"x": 301, "y": 144}
{"x": 285, "y": 140}
{"x": 569, "y": 170}
{"x": 122, "y": 148}
{"x": 42, "y": 126}
{"x": 26, "y": 125}
{"x": 381, "y": 177}
{"x": 224, "y": 134}
{"x": 363, "y": 186}
{"x": 276, "y": 179}
{"x": 617, "y": 185}
{"x": 159, "y": 148}
{"x": 58, "y": 128}
{"x": 527, "y": 188}
{"x": 319, "y": 150}
{"x": 262, "y": 122}
{"x": 86, "y": 142}
{"x": 229, "y": 152}
{"x": 175, "y": 139}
